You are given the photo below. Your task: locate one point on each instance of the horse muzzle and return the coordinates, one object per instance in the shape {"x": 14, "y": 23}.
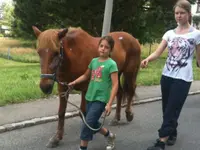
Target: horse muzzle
{"x": 47, "y": 83}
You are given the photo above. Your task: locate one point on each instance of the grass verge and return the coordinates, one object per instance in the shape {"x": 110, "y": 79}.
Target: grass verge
{"x": 19, "y": 82}
{"x": 20, "y": 75}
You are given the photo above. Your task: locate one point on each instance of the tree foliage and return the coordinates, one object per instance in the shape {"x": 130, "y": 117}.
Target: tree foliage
{"x": 147, "y": 20}
{"x": 196, "y": 20}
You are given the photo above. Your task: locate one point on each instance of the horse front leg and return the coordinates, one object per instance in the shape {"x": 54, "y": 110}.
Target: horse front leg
{"x": 54, "y": 141}
{"x": 83, "y": 103}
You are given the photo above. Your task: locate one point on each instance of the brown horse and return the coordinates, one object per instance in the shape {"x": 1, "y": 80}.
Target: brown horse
{"x": 65, "y": 55}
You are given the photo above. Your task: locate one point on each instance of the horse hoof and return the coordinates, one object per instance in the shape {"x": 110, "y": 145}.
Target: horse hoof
{"x": 129, "y": 116}
{"x": 53, "y": 142}
{"x": 114, "y": 122}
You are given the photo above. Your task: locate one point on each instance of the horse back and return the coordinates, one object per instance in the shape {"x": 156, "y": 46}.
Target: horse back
{"x": 126, "y": 48}
{"x": 81, "y": 48}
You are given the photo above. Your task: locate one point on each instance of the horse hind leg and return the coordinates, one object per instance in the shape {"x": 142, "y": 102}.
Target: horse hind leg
{"x": 119, "y": 96}
{"x": 83, "y": 104}
{"x": 129, "y": 88}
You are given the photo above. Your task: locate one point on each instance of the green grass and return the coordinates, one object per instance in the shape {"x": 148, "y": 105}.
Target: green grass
{"x": 20, "y": 78}
{"x": 18, "y": 50}
{"x": 31, "y": 57}
{"x": 19, "y": 82}
{"x": 151, "y": 75}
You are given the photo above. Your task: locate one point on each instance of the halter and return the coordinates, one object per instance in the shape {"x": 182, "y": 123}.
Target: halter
{"x": 53, "y": 75}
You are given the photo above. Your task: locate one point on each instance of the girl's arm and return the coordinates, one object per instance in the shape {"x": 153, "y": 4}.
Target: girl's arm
{"x": 114, "y": 78}
{"x": 155, "y": 54}
{"x": 82, "y": 78}
{"x": 198, "y": 55}
{"x": 158, "y": 51}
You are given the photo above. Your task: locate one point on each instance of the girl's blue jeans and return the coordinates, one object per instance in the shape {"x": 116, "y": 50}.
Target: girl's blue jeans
{"x": 94, "y": 111}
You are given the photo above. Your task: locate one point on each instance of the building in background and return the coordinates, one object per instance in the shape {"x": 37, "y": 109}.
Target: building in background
{"x": 198, "y": 7}
{"x": 196, "y": 15}
{"x": 1, "y": 14}
{"x": 4, "y": 30}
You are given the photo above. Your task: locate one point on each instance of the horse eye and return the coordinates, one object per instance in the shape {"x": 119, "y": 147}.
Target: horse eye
{"x": 56, "y": 54}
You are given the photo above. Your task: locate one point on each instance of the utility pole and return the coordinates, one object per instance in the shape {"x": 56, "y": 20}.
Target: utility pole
{"x": 107, "y": 17}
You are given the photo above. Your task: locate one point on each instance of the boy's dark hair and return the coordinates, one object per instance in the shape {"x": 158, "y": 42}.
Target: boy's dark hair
{"x": 109, "y": 39}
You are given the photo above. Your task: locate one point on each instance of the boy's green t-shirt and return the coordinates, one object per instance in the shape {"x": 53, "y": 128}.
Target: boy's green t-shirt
{"x": 100, "y": 81}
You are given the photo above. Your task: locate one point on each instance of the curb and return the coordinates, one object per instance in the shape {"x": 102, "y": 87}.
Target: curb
{"x": 42, "y": 120}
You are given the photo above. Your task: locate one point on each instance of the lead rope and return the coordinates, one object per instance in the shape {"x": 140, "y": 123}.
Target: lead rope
{"x": 65, "y": 94}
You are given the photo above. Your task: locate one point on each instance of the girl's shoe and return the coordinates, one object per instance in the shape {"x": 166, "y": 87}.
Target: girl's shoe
{"x": 111, "y": 142}
{"x": 171, "y": 140}
{"x": 159, "y": 145}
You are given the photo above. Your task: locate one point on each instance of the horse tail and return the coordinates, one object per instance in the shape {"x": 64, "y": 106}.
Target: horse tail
{"x": 125, "y": 90}
{"x": 120, "y": 88}
{"x": 130, "y": 46}
{"x": 124, "y": 81}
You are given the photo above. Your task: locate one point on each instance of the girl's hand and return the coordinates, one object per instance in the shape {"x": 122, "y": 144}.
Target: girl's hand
{"x": 71, "y": 84}
{"x": 144, "y": 63}
{"x": 108, "y": 109}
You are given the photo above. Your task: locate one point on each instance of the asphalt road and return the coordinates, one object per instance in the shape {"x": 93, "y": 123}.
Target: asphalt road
{"x": 137, "y": 135}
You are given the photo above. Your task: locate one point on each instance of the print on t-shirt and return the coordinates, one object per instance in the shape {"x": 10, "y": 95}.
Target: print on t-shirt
{"x": 97, "y": 74}
{"x": 180, "y": 49}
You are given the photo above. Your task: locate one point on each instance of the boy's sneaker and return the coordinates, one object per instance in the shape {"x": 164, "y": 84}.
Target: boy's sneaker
{"x": 111, "y": 142}
{"x": 159, "y": 145}
{"x": 171, "y": 140}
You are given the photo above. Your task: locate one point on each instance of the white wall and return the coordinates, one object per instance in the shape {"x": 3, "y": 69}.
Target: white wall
{"x": 194, "y": 9}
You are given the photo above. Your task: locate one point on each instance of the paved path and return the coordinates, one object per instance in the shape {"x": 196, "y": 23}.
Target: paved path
{"x": 40, "y": 110}
{"x": 137, "y": 135}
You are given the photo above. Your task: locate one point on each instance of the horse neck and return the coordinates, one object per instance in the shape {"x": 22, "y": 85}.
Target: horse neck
{"x": 80, "y": 41}
{"x": 79, "y": 48}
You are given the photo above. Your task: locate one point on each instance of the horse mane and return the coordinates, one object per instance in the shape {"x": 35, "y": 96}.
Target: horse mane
{"x": 49, "y": 38}
{"x": 74, "y": 29}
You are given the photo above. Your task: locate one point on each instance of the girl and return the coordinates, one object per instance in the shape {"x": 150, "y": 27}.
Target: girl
{"x": 177, "y": 74}
{"x": 101, "y": 92}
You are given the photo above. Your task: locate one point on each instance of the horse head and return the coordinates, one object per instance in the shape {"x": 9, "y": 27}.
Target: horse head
{"x": 50, "y": 51}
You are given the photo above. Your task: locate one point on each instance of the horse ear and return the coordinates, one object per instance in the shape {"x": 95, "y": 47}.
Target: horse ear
{"x": 62, "y": 33}
{"x": 36, "y": 31}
